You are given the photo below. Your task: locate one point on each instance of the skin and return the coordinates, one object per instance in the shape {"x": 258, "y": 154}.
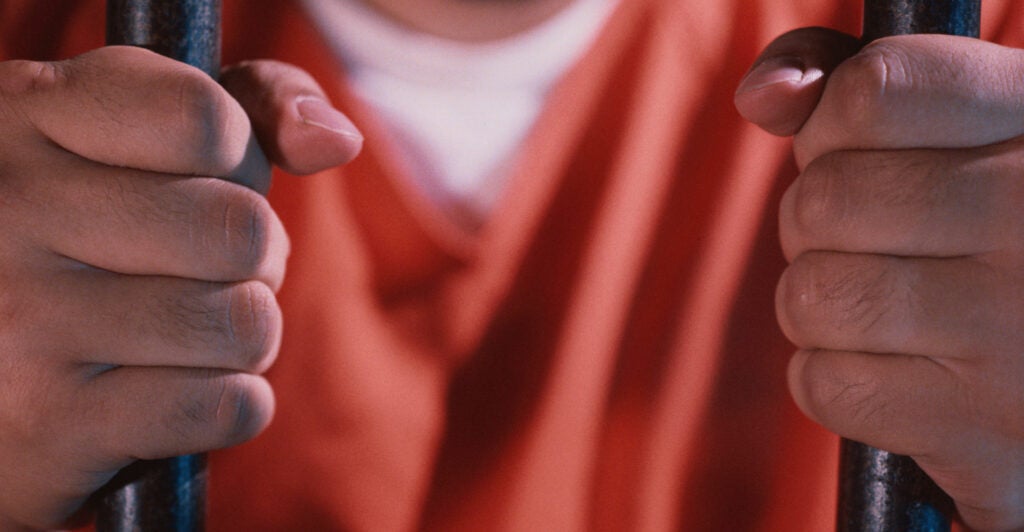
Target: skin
{"x": 903, "y": 232}
{"x": 139, "y": 273}
{"x": 139, "y": 265}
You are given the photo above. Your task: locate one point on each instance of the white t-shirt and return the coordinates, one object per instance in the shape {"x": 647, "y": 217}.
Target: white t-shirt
{"x": 458, "y": 111}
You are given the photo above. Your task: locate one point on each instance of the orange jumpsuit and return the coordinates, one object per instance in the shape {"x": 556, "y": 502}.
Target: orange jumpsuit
{"x": 601, "y": 355}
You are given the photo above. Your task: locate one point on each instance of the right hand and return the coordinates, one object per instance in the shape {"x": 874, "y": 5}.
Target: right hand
{"x": 137, "y": 275}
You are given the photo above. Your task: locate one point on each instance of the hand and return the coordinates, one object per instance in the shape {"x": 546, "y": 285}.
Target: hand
{"x": 905, "y": 236}
{"x": 137, "y": 274}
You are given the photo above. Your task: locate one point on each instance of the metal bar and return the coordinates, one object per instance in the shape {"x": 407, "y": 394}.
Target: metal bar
{"x": 186, "y": 30}
{"x": 156, "y": 496}
{"x": 883, "y": 18}
{"x": 880, "y": 491}
{"x": 162, "y": 495}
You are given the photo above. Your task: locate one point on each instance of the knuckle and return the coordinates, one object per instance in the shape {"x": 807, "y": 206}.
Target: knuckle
{"x": 255, "y": 325}
{"x": 800, "y": 298}
{"x": 210, "y": 123}
{"x": 247, "y": 230}
{"x": 240, "y": 230}
{"x": 225, "y": 409}
{"x": 835, "y": 391}
{"x": 825, "y": 299}
{"x": 819, "y": 201}
{"x": 23, "y": 77}
{"x": 788, "y": 305}
{"x": 236, "y": 413}
{"x": 241, "y": 323}
{"x": 863, "y": 82}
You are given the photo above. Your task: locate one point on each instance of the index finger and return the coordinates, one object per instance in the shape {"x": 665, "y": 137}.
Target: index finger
{"x": 918, "y": 91}
{"x": 129, "y": 107}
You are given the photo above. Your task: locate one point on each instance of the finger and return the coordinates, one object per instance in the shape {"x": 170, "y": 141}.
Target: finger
{"x": 139, "y": 223}
{"x": 919, "y": 407}
{"x": 297, "y": 127}
{"x": 954, "y": 309}
{"x": 899, "y": 403}
{"x": 107, "y": 319}
{"x": 149, "y": 413}
{"x": 918, "y": 91}
{"x": 126, "y": 106}
{"x": 783, "y": 86}
{"x": 906, "y": 202}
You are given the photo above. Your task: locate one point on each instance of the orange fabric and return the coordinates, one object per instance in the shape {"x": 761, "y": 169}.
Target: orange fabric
{"x": 601, "y": 355}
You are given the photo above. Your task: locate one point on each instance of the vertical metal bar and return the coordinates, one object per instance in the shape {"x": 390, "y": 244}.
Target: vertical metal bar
{"x": 186, "y": 30}
{"x": 880, "y": 491}
{"x": 883, "y": 18}
{"x": 156, "y": 495}
{"x": 162, "y": 495}
{"x": 884, "y": 492}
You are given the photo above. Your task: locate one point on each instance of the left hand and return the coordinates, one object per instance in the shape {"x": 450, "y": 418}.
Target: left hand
{"x": 905, "y": 236}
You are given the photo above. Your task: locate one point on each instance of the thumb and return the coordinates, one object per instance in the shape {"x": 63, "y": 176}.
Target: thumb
{"x": 297, "y": 127}
{"x": 783, "y": 86}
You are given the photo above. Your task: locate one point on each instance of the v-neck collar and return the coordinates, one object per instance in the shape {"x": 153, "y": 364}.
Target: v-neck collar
{"x": 417, "y": 250}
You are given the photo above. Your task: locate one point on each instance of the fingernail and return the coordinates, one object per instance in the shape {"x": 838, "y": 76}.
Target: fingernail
{"x": 317, "y": 112}
{"x": 776, "y": 70}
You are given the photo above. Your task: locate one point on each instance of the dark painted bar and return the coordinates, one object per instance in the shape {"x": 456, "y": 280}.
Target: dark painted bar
{"x": 902, "y": 17}
{"x": 156, "y": 496}
{"x": 162, "y": 495}
{"x": 880, "y": 491}
{"x": 186, "y": 30}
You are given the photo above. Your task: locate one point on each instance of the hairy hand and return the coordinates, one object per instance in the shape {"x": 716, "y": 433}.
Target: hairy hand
{"x": 905, "y": 290}
{"x": 137, "y": 272}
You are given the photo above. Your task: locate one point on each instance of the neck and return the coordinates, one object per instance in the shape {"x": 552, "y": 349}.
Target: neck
{"x": 469, "y": 20}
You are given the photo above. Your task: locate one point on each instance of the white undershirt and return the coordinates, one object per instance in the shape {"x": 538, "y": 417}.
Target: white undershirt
{"x": 457, "y": 110}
